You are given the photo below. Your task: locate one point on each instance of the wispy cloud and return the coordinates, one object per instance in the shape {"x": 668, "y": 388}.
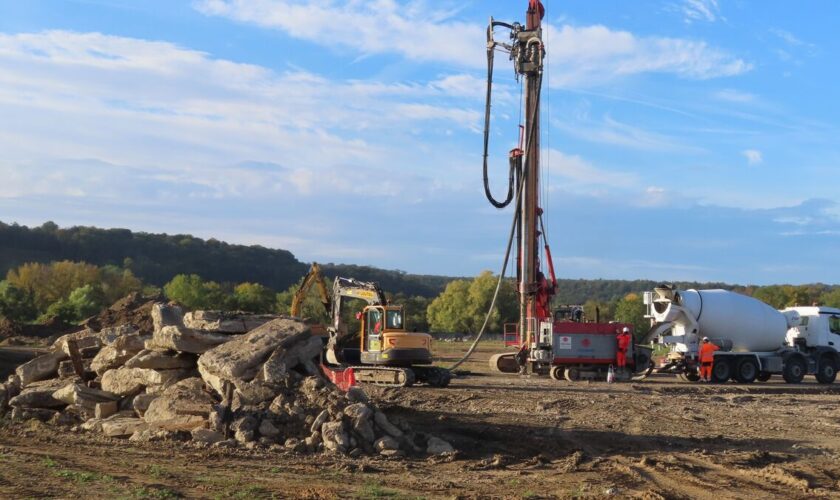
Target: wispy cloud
{"x": 591, "y": 55}
{"x": 738, "y": 96}
{"x": 580, "y": 55}
{"x": 753, "y": 156}
{"x": 580, "y": 173}
{"x": 700, "y": 10}
{"x": 616, "y": 133}
{"x": 369, "y": 27}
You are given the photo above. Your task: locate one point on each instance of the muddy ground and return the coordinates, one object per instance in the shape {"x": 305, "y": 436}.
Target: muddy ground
{"x": 518, "y": 438}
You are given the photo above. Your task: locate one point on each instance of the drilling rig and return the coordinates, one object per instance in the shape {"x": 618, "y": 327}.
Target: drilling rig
{"x": 527, "y": 51}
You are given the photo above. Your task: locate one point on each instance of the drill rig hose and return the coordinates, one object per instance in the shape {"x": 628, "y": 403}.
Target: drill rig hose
{"x": 491, "y": 47}
{"x": 528, "y": 146}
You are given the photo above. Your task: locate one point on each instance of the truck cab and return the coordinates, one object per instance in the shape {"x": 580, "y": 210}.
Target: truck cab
{"x": 818, "y": 327}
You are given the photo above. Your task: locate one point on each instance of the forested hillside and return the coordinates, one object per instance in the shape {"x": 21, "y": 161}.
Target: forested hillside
{"x": 157, "y": 258}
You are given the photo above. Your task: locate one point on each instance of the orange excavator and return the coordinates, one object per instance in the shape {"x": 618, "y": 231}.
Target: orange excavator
{"x": 382, "y": 351}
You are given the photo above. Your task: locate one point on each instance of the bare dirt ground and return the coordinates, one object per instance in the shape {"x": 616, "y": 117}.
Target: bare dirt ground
{"x": 518, "y": 438}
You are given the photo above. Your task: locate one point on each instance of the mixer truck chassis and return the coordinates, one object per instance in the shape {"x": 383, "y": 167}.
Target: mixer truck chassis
{"x": 802, "y": 339}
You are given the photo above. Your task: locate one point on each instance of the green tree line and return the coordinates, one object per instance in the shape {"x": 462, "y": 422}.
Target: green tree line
{"x": 72, "y": 291}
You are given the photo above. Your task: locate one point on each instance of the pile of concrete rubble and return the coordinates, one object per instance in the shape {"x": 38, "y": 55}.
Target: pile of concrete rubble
{"x": 219, "y": 379}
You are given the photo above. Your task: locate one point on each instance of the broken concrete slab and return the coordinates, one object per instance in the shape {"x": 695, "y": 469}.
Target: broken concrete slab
{"x": 183, "y": 406}
{"x": 66, "y": 369}
{"x": 84, "y": 396}
{"x": 226, "y": 321}
{"x": 117, "y": 353}
{"x": 84, "y": 339}
{"x": 40, "y": 368}
{"x": 141, "y": 403}
{"x": 382, "y": 421}
{"x": 106, "y": 409}
{"x": 241, "y": 357}
{"x": 437, "y": 446}
{"x": 166, "y": 315}
{"x": 159, "y": 360}
{"x": 39, "y": 395}
{"x": 131, "y": 381}
{"x": 207, "y": 436}
{"x": 121, "y": 426}
{"x": 43, "y": 414}
{"x": 108, "y": 335}
{"x": 386, "y": 443}
{"x": 276, "y": 368}
{"x": 179, "y": 338}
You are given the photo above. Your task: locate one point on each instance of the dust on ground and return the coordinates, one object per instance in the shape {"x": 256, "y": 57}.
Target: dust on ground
{"x": 519, "y": 437}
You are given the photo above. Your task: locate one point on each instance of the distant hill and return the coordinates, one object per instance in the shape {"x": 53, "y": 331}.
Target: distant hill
{"x": 156, "y": 258}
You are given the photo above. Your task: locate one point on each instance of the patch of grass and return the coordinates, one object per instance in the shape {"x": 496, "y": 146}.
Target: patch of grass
{"x": 154, "y": 492}
{"x": 158, "y": 471}
{"x": 372, "y": 489}
{"x": 49, "y": 462}
{"x": 529, "y": 494}
{"x": 77, "y": 476}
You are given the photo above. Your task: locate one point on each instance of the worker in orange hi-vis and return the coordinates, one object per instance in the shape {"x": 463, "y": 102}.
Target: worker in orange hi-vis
{"x": 623, "y": 338}
{"x": 707, "y": 359}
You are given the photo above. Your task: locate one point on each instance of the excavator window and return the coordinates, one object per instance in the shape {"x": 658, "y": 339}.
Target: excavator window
{"x": 395, "y": 320}
{"x": 374, "y": 322}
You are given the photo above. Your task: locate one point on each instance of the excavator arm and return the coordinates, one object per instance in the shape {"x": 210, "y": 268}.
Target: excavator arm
{"x": 314, "y": 277}
{"x": 368, "y": 291}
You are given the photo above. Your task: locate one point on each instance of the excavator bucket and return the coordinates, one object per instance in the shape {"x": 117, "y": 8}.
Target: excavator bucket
{"x": 343, "y": 378}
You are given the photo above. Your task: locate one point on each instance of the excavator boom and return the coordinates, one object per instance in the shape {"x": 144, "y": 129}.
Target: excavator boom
{"x": 313, "y": 277}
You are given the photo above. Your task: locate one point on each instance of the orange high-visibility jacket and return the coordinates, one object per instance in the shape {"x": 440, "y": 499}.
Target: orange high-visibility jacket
{"x": 707, "y": 352}
{"x": 623, "y": 341}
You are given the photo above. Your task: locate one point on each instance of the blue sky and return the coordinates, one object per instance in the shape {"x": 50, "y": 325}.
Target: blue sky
{"x": 683, "y": 139}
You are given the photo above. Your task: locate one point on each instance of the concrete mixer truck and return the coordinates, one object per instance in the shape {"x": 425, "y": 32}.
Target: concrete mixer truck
{"x": 756, "y": 341}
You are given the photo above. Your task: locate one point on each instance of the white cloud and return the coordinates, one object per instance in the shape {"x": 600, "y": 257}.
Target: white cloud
{"x": 731, "y": 95}
{"x": 700, "y": 10}
{"x": 753, "y": 156}
{"x": 595, "y": 54}
{"x": 616, "y": 133}
{"x": 580, "y": 55}
{"x": 580, "y": 173}
{"x": 154, "y": 111}
{"x": 369, "y": 27}
{"x": 789, "y": 38}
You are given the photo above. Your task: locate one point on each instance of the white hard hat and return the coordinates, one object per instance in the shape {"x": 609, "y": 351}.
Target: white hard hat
{"x": 626, "y": 330}
{"x": 705, "y": 339}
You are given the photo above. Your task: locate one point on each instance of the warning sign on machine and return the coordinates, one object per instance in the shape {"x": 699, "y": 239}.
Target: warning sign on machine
{"x": 564, "y": 342}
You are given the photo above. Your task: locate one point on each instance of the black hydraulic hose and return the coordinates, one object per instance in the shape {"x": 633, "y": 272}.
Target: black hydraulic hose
{"x": 519, "y": 188}
{"x": 498, "y": 204}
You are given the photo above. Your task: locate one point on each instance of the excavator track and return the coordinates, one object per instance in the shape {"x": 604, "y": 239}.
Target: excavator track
{"x": 384, "y": 376}
{"x": 433, "y": 376}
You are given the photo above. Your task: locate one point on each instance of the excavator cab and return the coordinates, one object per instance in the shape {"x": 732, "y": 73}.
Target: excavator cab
{"x": 384, "y": 340}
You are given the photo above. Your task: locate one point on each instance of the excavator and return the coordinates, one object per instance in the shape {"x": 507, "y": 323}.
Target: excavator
{"x": 383, "y": 351}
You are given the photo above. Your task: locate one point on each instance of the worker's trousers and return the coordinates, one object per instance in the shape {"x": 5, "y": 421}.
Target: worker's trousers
{"x": 621, "y": 359}
{"x": 706, "y": 370}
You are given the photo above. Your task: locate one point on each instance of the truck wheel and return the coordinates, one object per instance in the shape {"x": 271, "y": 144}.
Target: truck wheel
{"x": 794, "y": 370}
{"x": 572, "y": 374}
{"x": 826, "y": 370}
{"x": 746, "y": 371}
{"x": 764, "y": 376}
{"x": 721, "y": 371}
{"x": 692, "y": 376}
{"x": 556, "y": 372}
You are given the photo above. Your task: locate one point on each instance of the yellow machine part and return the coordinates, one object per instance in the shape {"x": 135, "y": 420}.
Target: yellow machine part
{"x": 406, "y": 340}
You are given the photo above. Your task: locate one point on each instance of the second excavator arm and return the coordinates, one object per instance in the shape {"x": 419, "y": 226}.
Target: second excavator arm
{"x": 314, "y": 277}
